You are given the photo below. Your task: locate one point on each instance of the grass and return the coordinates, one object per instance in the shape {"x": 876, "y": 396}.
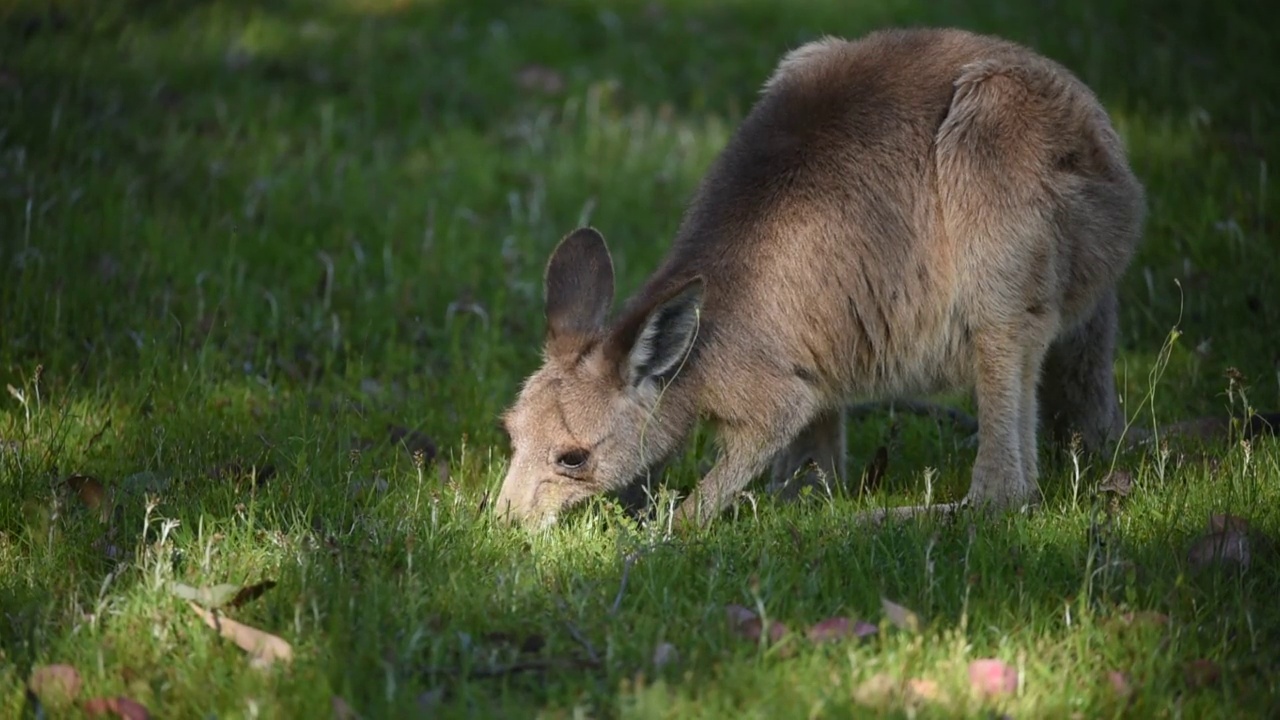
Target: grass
{"x": 261, "y": 234}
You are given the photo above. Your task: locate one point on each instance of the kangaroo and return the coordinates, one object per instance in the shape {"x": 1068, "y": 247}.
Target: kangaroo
{"x": 902, "y": 214}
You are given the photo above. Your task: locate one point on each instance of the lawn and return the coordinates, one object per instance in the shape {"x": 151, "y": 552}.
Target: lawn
{"x": 269, "y": 271}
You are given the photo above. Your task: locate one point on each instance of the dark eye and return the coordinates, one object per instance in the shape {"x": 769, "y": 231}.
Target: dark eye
{"x": 572, "y": 459}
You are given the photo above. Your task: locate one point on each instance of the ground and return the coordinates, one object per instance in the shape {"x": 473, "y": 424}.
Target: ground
{"x": 270, "y": 271}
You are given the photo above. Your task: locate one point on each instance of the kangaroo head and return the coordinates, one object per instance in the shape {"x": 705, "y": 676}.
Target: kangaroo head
{"x": 594, "y": 417}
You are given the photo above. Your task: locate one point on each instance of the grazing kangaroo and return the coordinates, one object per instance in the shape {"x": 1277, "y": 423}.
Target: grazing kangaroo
{"x": 910, "y": 212}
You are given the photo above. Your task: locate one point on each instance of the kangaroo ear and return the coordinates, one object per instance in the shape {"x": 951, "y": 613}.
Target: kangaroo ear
{"x": 578, "y": 286}
{"x": 665, "y": 336}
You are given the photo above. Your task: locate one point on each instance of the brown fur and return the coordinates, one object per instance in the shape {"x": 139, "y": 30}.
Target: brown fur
{"x": 910, "y": 212}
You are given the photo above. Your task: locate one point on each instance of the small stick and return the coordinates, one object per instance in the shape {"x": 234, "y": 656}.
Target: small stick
{"x": 627, "y": 562}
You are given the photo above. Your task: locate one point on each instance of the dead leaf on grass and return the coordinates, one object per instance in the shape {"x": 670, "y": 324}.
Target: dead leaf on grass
{"x": 91, "y": 493}
{"x": 992, "y": 677}
{"x": 263, "y": 647}
{"x": 1201, "y": 673}
{"x": 900, "y": 616}
{"x": 1144, "y": 618}
{"x": 238, "y": 472}
{"x": 876, "y": 691}
{"x": 121, "y": 706}
{"x": 838, "y": 628}
{"x": 55, "y": 684}
{"x": 1119, "y": 683}
{"x": 415, "y": 442}
{"x": 342, "y": 710}
{"x": 1117, "y": 482}
{"x": 540, "y": 78}
{"x": 1221, "y": 522}
{"x": 747, "y": 625}
{"x": 1220, "y": 549}
{"x": 664, "y": 654}
{"x": 210, "y": 597}
{"x": 924, "y": 690}
{"x": 251, "y": 592}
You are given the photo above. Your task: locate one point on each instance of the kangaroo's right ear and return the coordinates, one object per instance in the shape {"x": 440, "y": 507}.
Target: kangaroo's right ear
{"x": 578, "y": 286}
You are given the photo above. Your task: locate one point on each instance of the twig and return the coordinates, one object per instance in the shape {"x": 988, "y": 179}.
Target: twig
{"x": 98, "y": 435}
{"x": 627, "y": 562}
{"x": 582, "y": 640}
{"x": 959, "y": 418}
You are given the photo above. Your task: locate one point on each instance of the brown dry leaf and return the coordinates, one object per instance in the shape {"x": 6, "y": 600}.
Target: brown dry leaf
{"x": 1220, "y": 549}
{"x": 91, "y": 492}
{"x": 540, "y": 78}
{"x": 1118, "y": 482}
{"x": 342, "y": 710}
{"x": 1200, "y": 673}
{"x": 119, "y": 706}
{"x": 876, "y": 691}
{"x": 992, "y": 677}
{"x": 746, "y": 624}
{"x": 263, "y": 647}
{"x": 664, "y": 654}
{"x": 55, "y": 684}
{"x": 1144, "y": 619}
{"x": 250, "y": 593}
{"x": 838, "y": 628}
{"x": 924, "y": 690}
{"x": 414, "y": 441}
{"x": 1119, "y": 683}
{"x": 900, "y": 616}
{"x": 1228, "y": 523}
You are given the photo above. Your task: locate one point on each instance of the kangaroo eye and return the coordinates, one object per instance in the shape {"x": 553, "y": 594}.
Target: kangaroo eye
{"x": 572, "y": 459}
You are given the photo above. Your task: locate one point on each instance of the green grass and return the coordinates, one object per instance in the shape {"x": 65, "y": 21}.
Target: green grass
{"x": 265, "y": 232}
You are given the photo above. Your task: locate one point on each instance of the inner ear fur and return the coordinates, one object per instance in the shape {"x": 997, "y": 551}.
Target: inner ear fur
{"x": 653, "y": 338}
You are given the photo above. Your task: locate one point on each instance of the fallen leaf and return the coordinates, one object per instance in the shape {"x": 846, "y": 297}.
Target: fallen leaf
{"x": 263, "y": 647}
{"x": 1144, "y": 618}
{"x": 55, "y": 684}
{"x": 1200, "y": 673}
{"x": 876, "y": 691}
{"x": 993, "y": 677}
{"x": 91, "y": 493}
{"x": 1219, "y": 549}
{"x": 431, "y": 698}
{"x": 837, "y": 628}
{"x": 540, "y": 78}
{"x": 237, "y": 472}
{"x": 900, "y": 616}
{"x": 210, "y": 597}
{"x": 664, "y": 654}
{"x": 738, "y": 614}
{"x": 251, "y": 592}
{"x": 746, "y": 624}
{"x": 342, "y": 710}
{"x": 413, "y": 441}
{"x": 923, "y": 689}
{"x": 1119, "y": 683}
{"x": 1228, "y": 523}
{"x": 1117, "y": 482}
{"x": 120, "y": 706}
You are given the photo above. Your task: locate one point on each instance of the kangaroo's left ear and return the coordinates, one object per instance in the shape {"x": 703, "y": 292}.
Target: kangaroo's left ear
{"x": 663, "y": 340}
